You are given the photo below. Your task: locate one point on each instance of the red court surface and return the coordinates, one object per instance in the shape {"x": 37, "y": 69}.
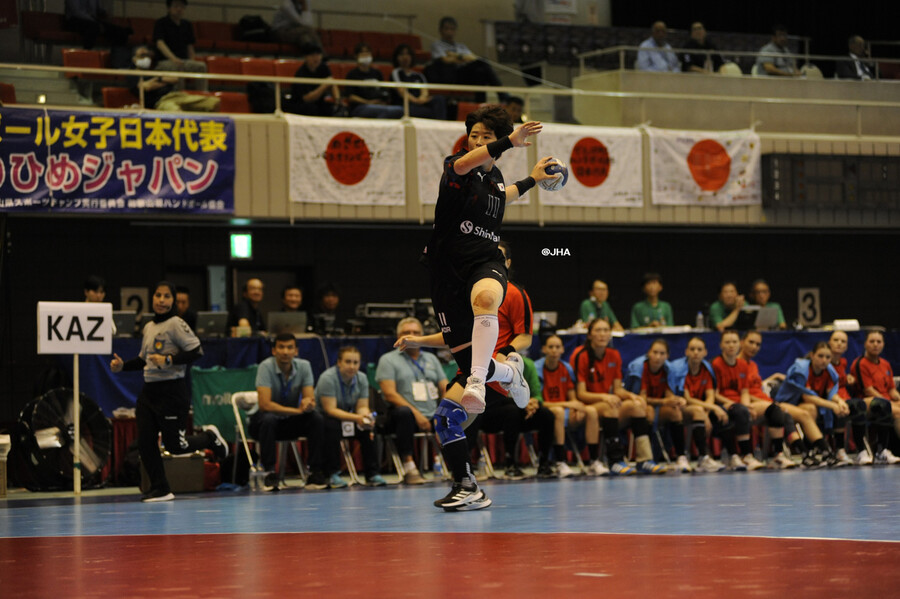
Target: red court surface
{"x": 490, "y": 565}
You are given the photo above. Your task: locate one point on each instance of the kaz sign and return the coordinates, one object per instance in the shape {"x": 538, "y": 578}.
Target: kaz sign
{"x": 74, "y": 328}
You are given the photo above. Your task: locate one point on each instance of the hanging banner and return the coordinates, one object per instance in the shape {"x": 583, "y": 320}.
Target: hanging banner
{"x": 604, "y": 165}
{"x": 113, "y": 162}
{"x": 347, "y": 161}
{"x": 705, "y": 168}
{"x": 435, "y": 140}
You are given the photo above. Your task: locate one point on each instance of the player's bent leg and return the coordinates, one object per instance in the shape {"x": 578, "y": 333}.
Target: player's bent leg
{"x": 464, "y": 495}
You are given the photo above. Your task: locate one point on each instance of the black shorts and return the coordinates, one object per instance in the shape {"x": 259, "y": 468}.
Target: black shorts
{"x": 451, "y": 298}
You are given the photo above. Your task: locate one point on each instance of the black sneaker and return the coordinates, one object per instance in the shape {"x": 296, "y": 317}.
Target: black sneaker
{"x": 316, "y": 481}
{"x": 270, "y": 482}
{"x": 155, "y": 495}
{"x": 219, "y": 446}
{"x": 812, "y": 462}
{"x": 513, "y": 472}
{"x": 546, "y": 471}
{"x": 459, "y": 497}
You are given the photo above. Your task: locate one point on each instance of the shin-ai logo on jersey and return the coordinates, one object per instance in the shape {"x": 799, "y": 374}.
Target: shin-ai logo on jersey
{"x": 467, "y": 228}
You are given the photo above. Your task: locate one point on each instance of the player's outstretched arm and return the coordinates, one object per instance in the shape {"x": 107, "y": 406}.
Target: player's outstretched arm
{"x": 482, "y": 155}
{"x": 538, "y": 174}
{"x": 434, "y": 340}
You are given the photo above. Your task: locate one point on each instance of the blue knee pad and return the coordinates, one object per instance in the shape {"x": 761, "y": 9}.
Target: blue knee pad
{"x": 880, "y": 412}
{"x": 449, "y": 417}
{"x": 774, "y": 416}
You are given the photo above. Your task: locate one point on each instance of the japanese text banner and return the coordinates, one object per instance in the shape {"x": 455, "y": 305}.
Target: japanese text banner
{"x": 435, "y": 140}
{"x": 604, "y": 165}
{"x": 67, "y": 161}
{"x": 347, "y": 161}
{"x": 705, "y": 168}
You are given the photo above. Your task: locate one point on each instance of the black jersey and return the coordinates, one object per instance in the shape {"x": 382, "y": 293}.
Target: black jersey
{"x": 467, "y": 218}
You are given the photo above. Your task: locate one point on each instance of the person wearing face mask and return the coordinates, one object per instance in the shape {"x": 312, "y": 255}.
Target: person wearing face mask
{"x": 168, "y": 346}
{"x": 369, "y": 102}
{"x": 154, "y": 88}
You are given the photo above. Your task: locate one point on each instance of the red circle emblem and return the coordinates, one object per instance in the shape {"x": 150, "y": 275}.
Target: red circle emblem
{"x": 589, "y": 162}
{"x": 348, "y": 158}
{"x": 460, "y": 143}
{"x": 710, "y": 164}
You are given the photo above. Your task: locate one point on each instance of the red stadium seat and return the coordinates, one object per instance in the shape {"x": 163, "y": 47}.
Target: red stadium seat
{"x": 410, "y": 39}
{"x": 287, "y": 67}
{"x": 258, "y": 66}
{"x": 221, "y": 37}
{"x": 339, "y": 69}
{"x": 386, "y": 70}
{"x": 117, "y": 97}
{"x": 382, "y": 44}
{"x": 73, "y": 57}
{"x": 234, "y": 102}
{"x": 143, "y": 31}
{"x": 226, "y": 66}
{"x": 46, "y": 28}
{"x": 341, "y": 42}
{"x": 7, "y": 93}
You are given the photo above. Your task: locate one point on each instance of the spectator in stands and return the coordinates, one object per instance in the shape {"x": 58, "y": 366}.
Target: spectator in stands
{"x": 804, "y": 414}
{"x": 598, "y": 375}
{"x": 245, "y": 314}
{"x": 692, "y": 377}
{"x": 292, "y": 23}
{"x": 369, "y": 102}
{"x": 597, "y": 306}
{"x": 308, "y": 98}
{"x": 700, "y": 62}
{"x": 875, "y": 379}
{"x": 94, "y": 289}
{"x": 291, "y": 298}
{"x": 326, "y": 320}
{"x": 453, "y": 62}
{"x": 837, "y": 343}
{"x": 780, "y": 66}
{"x": 183, "y": 307}
{"x": 760, "y": 294}
{"x": 343, "y": 396}
{"x": 421, "y": 103}
{"x": 558, "y": 390}
{"x": 724, "y": 312}
{"x": 515, "y": 106}
{"x": 857, "y": 67}
{"x": 154, "y": 88}
{"x": 412, "y": 383}
{"x": 287, "y": 402}
{"x": 90, "y": 20}
{"x": 174, "y": 38}
{"x": 652, "y": 312}
{"x": 656, "y": 53}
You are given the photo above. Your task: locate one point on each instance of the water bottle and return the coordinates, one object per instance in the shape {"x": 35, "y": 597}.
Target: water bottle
{"x": 698, "y": 324}
{"x": 438, "y": 469}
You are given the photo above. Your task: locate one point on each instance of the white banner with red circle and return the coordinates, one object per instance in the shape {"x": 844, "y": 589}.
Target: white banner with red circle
{"x": 347, "y": 161}
{"x": 435, "y": 140}
{"x": 705, "y": 168}
{"x": 604, "y": 165}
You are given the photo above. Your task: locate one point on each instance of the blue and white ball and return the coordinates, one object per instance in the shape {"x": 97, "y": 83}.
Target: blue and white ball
{"x": 558, "y": 168}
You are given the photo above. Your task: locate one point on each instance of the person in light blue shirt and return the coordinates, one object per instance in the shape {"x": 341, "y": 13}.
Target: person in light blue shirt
{"x": 342, "y": 395}
{"x": 656, "y": 54}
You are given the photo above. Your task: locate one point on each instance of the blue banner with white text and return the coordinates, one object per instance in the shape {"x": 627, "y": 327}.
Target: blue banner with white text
{"x": 106, "y": 162}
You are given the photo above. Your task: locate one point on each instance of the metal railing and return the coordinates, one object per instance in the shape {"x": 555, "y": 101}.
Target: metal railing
{"x": 527, "y": 93}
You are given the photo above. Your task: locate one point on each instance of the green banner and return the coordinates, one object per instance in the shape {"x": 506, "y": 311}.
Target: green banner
{"x": 211, "y": 390}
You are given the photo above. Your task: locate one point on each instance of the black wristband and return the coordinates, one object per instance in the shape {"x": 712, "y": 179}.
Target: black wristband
{"x": 506, "y": 350}
{"x": 495, "y": 148}
{"x": 524, "y": 185}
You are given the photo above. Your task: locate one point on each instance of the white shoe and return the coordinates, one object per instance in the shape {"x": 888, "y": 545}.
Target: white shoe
{"x": 597, "y": 468}
{"x": 563, "y": 470}
{"x": 781, "y": 462}
{"x": 473, "y": 397}
{"x": 709, "y": 464}
{"x": 752, "y": 463}
{"x": 886, "y": 457}
{"x": 736, "y": 463}
{"x": 864, "y": 458}
{"x": 842, "y": 458}
{"x": 683, "y": 465}
{"x": 517, "y": 388}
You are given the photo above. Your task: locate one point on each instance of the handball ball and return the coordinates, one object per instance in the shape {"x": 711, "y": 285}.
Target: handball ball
{"x": 561, "y": 171}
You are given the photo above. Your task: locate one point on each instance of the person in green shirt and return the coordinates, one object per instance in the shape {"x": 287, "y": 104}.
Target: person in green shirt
{"x": 723, "y": 312}
{"x": 596, "y": 306}
{"x": 652, "y": 312}
{"x": 760, "y": 294}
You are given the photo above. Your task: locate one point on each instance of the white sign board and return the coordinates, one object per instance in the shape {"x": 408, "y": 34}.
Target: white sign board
{"x": 809, "y": 309}
{"x": 74, "y": 328}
